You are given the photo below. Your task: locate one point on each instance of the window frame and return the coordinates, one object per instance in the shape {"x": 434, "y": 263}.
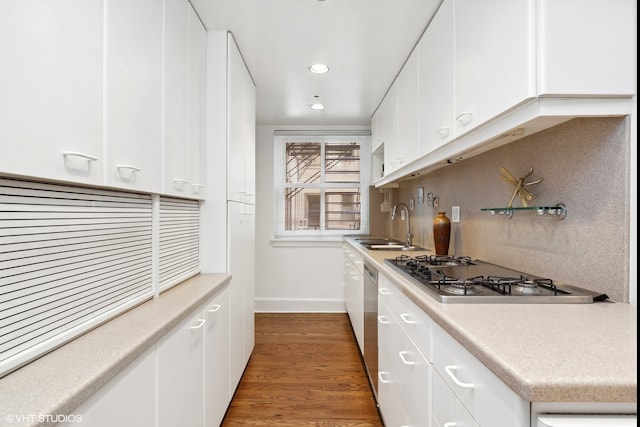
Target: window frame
{"x": 280, "y": 184}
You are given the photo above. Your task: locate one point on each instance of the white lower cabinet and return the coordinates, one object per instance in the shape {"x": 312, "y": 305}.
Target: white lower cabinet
{"x": 426, "y": 378}
{"x": 180, "y": 358}
{"x": 193, "y": 367}
{"x": 392, "y": 407}
{"x": 404, "y": 371}
{"x": 354, "y": 293}
{"x": 128, "y": 399}
{"x": 489, "y": 401}
{"x": 448, "y": 411}
{"x": 181, "y": 381}
{"x": 216, "y": 359}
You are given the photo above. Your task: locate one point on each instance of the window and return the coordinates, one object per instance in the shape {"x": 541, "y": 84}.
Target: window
{"x": 320, "y": 182}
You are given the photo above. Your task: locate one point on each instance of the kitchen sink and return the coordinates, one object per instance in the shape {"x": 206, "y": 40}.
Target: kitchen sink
{"x": 385, "y": 244}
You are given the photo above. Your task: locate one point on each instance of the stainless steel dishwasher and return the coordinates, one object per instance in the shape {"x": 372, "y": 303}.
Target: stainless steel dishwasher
{"x": 371, "y": 325}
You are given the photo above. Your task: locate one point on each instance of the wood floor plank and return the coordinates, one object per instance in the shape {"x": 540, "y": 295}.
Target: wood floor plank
{"x": 305, "y": 370}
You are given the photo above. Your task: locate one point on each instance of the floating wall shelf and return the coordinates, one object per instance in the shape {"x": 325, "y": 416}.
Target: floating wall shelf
{"x": 559, "y": 210}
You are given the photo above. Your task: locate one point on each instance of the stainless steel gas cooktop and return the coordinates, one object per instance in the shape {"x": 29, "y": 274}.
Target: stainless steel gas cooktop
{"x": 453, "y": 279}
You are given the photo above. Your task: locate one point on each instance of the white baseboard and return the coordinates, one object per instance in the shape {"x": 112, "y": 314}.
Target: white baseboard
{"x": 293, "y": 305}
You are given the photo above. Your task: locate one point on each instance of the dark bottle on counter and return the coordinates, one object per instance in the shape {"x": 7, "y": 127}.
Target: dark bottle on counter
{"x": 441, "y": 233}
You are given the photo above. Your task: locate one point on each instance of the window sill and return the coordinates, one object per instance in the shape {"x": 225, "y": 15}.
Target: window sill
{"x": 307, "y": 241}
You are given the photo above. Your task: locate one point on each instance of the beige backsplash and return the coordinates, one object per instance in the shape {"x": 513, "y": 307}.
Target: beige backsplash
{"x": 584, "y": 164}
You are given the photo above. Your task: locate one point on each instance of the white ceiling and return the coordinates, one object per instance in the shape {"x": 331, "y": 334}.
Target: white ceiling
{"x": 364, "y": 43}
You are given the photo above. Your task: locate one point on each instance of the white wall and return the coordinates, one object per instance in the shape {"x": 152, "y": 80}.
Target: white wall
{"x": 294, "y": 277}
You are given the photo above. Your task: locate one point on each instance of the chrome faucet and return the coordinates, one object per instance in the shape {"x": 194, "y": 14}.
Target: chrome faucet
{"x": 393, "y": 217}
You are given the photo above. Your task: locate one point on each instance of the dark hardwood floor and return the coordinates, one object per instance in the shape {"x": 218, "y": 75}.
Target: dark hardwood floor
{"x": 305, "y": 370}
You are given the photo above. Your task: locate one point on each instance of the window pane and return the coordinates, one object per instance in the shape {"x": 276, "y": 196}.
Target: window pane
{"x": 302, "y": 209}
{"x": 303, "y": 162}
{"x": 342, "y": 209}
{"x": 342, "y": 162}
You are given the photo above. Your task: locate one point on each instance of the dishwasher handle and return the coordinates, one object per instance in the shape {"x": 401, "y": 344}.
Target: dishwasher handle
{"x": 371, "y": 272}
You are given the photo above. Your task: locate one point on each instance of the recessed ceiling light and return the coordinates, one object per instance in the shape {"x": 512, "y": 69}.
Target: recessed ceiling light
{"x": 318, "y": 68}
{"x": 317, "y": 106}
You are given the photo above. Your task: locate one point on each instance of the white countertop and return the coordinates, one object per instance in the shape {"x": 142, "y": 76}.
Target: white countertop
{"x": 544, "y": 352}
{"x": 58, "y": 382}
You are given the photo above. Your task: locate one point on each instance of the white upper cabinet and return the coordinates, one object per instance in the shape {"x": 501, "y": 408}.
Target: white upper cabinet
{"x": 494, "y": 66}
{"x": 197, "y": 105}
{"x": 408, "y": 111}
{"x": 51, "y": 89}
{"x": 399, "y": 114}
{"x": 435, "y": 81}
{"x": 108, "y": 93}
{"x": 176, "y": 70}
{"x": 133, "y": 90}
{"x": 377, "y": 130}
{"x": 488, "y": 68}
{"x": 579, "y": 50}
{"x": 240, "y": 128}
{"x": 389, "y": 107}
{"x": 184, "y": 100}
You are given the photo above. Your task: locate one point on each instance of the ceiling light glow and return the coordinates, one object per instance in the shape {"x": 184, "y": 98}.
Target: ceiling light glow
{"x": 317, "y": 106}
{"x": 318, "y": 68}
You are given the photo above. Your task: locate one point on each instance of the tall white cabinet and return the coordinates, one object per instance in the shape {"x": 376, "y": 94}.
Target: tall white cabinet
{"x": 228, "y": 214}
{"x": 240, "y": 208}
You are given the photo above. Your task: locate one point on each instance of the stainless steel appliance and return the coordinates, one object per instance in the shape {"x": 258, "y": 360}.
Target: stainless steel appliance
{"x": 371, "y": 325}
{"x": 452, "y": 279}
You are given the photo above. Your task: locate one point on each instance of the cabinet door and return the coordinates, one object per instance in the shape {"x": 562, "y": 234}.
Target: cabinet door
{"x": 354, "y": 292}
{"x": 180, "y": 358}
{"x": 392, "y": 154}
{"x": 241, "y": 259}
{"x": 447, "y": 409}
{"x": 435, "y": 81}
{"x": 354, "y": 284}
{"x": 494, "y": 61}
{"x": 133, "y": 89}
{"x": 580, "y": 61}
{"x": 408, "y": 111}
{"x": 249, "y": 140}
{"x": 377, "y": 130}
{"x": 392, "y": 406}
{"x": 216, "y": 353}
{"x": 413, "y": 377}
{"x": 176, "y": 69}
{"x": 240, "y": 128}
{"x": 51, "y": 89}
{"x": 129, "y": 396}
{"x": 489, "y": 400}
{"x": 197, "y": 105}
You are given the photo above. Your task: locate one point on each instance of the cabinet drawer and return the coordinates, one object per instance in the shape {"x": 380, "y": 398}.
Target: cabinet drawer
{"x": 355, "y": 258}
{"x": 406, "y": 365}
{"x": 490, "y": 401}
{"x": 413, "y": 320}
{"x": 391, "y": 405}
{"x": 447, "y": 408}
